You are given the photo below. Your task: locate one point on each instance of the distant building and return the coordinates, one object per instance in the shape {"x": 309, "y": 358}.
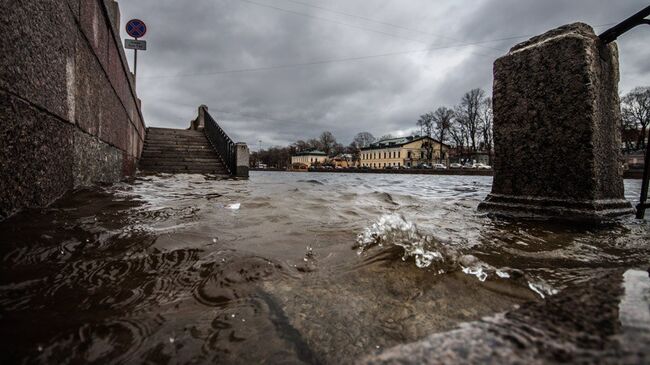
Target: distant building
{"x": 634, "y": 160}
{"x": 344, "y": 160}
{"x": 308, "y": 158}
{"x": 403, "y": 151}
{"x": 464, "y": 157}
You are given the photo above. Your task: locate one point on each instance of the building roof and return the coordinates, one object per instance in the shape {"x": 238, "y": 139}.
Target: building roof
{"x": 398, "y": 142}
{"x": 343, "y": 156}
{"x": 310, "y": 153}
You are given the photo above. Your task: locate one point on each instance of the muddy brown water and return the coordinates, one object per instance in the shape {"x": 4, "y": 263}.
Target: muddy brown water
{"x": 282, "y": 268}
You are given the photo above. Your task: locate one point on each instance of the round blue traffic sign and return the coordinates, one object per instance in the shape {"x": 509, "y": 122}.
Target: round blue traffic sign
{"x": 136, "y": 28}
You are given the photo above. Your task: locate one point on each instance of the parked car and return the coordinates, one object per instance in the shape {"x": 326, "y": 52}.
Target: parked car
{"x": 439, "y": 166}
{"x": 482, "y": 166}
{"x": 455, "y": 165}
{"x": 468, "y": 165}
{"x": 423, "y": 166}
{"x": 388, "y": 167}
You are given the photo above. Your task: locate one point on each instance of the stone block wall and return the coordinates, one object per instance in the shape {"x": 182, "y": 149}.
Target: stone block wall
{"x": 69, "y": 113}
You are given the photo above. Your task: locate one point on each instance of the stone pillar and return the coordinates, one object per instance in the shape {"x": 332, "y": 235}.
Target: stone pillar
{"x": 242, "y": 159}
{"x": 556, "y": 120}
{"x": 199, "y": 122}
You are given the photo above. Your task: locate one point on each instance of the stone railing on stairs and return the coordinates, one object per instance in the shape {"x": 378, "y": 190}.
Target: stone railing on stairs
{"x": 235, "y": 156}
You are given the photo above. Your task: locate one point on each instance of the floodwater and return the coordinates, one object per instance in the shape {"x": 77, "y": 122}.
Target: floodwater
{"x": 282, "y": 268}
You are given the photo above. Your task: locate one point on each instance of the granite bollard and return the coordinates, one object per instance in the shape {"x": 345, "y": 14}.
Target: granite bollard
{"x": 556, "y": 120}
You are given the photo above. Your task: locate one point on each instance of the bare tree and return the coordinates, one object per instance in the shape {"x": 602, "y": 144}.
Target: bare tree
{"x": 635, "y": 112}
{"x": 386, "y": 136}
{"x": 486, "y": 126}
{"x": 442, "y": 119}
{"x": 468, "y": 114}
{"x": 426, "y": 124}
{"x": 458, "y": 136}
{"x": 314, "y": 144}
{"x": 327, "y": 142}
{"x": 301, "y": 145}
{"x": 363, "y": 139}
{"x": 338, "y": 149}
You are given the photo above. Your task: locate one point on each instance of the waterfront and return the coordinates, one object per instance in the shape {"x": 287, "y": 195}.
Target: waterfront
{"x": 290, "y": 268}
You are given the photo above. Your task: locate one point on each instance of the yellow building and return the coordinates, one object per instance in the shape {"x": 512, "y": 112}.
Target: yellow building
{"x": 402, "y": 152}
{"x": 308, "y": 158}
{"x": 342, "y": 161}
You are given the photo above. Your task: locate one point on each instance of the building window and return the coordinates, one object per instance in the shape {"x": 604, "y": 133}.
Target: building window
{"x": 399, "y": 154}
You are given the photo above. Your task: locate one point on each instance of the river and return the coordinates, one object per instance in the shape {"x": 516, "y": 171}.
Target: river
{"x": 282, "y": 268}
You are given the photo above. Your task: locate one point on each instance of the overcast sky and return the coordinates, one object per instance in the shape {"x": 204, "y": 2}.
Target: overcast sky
{"x": 283, "y": 70}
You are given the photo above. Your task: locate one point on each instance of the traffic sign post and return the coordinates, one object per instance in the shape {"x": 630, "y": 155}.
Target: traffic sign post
{"x": 136, "y": 28}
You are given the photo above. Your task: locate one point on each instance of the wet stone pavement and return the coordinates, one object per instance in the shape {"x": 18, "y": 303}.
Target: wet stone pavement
{"x": 316, "y": 268}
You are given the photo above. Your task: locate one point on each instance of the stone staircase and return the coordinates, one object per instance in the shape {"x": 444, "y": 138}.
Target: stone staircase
{"x": 179, "y": 151}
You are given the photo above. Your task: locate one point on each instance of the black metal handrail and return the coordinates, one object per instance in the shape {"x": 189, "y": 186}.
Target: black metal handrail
{"x": 220, "y": 141}
{"x": 611, "y": 34}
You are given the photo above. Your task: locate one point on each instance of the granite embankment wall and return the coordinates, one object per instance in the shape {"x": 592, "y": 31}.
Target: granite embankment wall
{"x": 69, "y": 113}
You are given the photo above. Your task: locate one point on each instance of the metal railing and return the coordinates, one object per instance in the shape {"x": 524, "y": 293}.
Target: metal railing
{"x": 220, "y": 141}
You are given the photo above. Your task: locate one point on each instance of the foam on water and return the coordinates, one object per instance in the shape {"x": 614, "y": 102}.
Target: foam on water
{"x": 430, "y": 253}
{"x": 427, "y": 252}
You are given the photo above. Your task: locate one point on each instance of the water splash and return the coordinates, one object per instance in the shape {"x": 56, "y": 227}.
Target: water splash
{"x": 428, "y": 252}
{"x": 393, "y": 229}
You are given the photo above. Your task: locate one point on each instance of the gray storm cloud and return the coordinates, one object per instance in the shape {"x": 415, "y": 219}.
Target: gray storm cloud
{"x": 282, "y": 70}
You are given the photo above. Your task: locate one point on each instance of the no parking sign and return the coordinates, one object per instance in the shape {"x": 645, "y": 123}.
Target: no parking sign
{"x": 136, "y": 28}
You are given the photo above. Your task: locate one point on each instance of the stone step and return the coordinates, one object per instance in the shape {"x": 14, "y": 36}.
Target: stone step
{"x": 195, "y": 144}
{"x": 184, "y": 154}
{"x": 179, "y": 151}
{"x": 181, "y": 168}
{"x": 175, "y": 144}
{"x": 202, "y": 140}
{"x": 169, "y": 135}
{"x": 150, "y": 162}
{"x": 223, "y": 174}
{"x": 177, "y": 141}
{"x": 197, "y": 151}
{"x": 155, "y": 130}
{"x": 184, "y": 160}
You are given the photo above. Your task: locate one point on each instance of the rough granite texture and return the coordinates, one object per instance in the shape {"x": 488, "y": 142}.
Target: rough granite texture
{"x": 70, "y": 115}
{"x": 556, "y": 118}
{"x": 95, "y": 161}
{"x": 581, "y": 325}
{"x": 35, "y": 154}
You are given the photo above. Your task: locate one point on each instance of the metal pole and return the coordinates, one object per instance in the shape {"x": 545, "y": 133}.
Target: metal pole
{"x": 135, "y": 63}
{"x": 641, "y": 207}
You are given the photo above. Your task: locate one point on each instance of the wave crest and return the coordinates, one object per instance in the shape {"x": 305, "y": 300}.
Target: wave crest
{"x": 428, "y": 252}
